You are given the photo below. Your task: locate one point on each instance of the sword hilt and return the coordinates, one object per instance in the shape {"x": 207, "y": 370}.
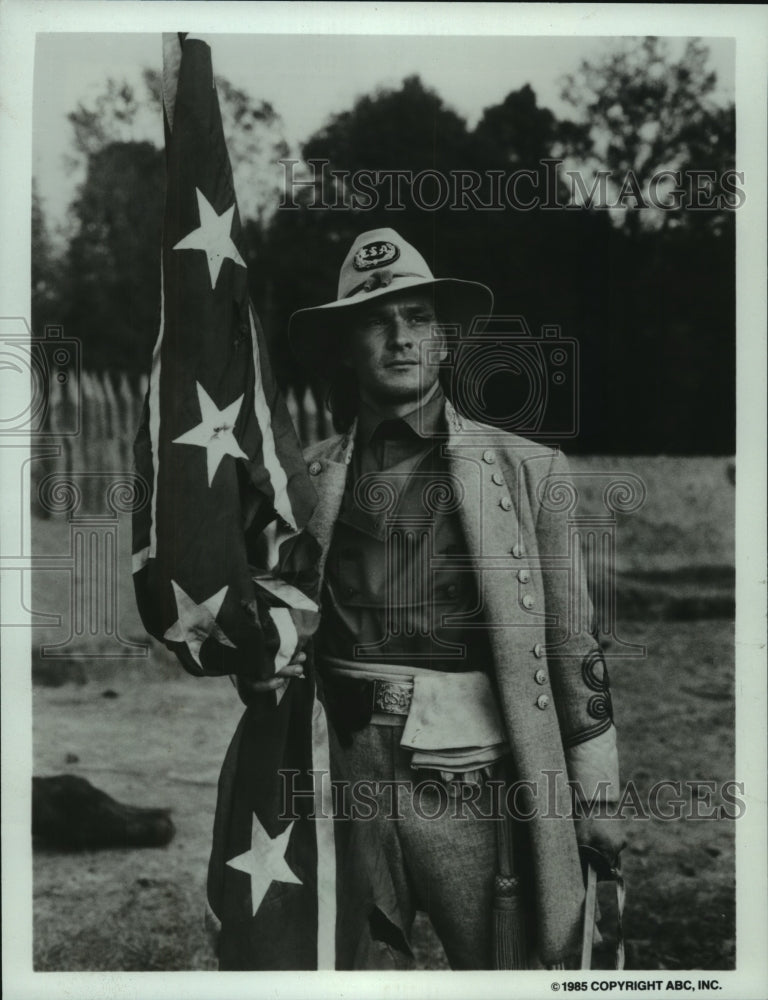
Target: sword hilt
{"x": 597, "y": 867}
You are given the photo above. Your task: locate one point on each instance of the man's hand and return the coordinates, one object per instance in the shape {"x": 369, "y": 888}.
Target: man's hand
{"x": 604, "y": 834}
{"x": 247, "y": 688}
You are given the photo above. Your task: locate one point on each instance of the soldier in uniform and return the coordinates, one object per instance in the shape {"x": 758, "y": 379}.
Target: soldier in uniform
{"x": 457, "y": 646}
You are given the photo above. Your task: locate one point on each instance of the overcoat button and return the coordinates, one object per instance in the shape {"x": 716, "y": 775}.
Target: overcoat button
{"x": 523, "y": 576}
{"x": 451, "y": 590}
{"x": 498, "y": 478}
{"x": 538, "y": 650}
{"x": 542, "y": 701}
{"x": 488, "y": 456}
{"x": 528, "y": 601}
{"x": 517, "y": 550}
{"x": 540, "y": 677}
{"x": 505, "y": 503}
{"x": 315, "y": 468}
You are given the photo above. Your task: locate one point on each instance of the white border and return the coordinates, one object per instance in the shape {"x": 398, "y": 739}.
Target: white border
{"x": 748, "y": 24}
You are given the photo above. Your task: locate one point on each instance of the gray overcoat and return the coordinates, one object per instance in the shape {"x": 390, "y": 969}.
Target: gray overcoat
{"x": 548, "y": 665}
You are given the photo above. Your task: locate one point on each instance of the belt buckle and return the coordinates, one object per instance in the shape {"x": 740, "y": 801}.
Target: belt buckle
{"x": 392, "y": 697}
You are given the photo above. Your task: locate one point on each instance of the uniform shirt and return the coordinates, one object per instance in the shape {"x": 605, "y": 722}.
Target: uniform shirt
{"x": 387, "y": 598}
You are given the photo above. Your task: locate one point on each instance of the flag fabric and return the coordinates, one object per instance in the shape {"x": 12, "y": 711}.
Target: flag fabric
{"x": 218, "y": 449}
{"x": 216, "y": 442}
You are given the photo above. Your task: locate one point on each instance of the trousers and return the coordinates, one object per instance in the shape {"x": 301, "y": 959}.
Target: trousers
{"x": 442, "y": 857}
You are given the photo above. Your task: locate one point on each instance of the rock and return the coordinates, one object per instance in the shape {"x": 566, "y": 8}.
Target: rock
{"x": 68, "y": 812}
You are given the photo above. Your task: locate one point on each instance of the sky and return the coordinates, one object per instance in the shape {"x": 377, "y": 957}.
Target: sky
{"x": 307, "y": 78}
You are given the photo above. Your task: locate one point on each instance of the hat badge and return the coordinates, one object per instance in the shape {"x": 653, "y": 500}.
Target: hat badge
{"x": 375, "y": 254}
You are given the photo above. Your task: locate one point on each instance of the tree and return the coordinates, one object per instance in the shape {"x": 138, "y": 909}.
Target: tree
{"x": 115, "y": 115}
{"x": 111, "y": 279}
{"x": 539, "y": 264}
{"x": 517, "y": 132}
{"x": 46, "y": 270}
{"x": 667, "y": 343}
{"x": 253, "y": 130}
{"x": 409, "y": 129}
{"x": 642, "y": 111}
{"x": 639, "y": 301}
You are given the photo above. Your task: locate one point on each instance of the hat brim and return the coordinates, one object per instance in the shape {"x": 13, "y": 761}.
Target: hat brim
{"x": 313, "y": 334}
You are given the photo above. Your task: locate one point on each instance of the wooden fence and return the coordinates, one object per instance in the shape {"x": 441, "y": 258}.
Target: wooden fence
{"x": 92, "y": 421}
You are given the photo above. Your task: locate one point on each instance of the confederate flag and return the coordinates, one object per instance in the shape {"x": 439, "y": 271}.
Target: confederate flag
{"x": 217, "y": 447}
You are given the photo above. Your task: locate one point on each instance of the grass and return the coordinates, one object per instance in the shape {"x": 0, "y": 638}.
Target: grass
{"x": 161, "y": 740}
{"x": 161, "y": 743}
{"x": 683, "y": 533}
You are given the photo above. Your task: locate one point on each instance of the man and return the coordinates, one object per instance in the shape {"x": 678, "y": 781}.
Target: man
{"x": 457, "y": 644}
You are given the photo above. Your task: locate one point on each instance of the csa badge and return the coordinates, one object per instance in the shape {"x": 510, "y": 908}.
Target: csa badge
{"x": 375, "y": 255}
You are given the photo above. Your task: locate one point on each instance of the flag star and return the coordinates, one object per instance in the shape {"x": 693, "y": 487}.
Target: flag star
{"x": 197, "y": 622}
{"x": 213, "y": 236}
{"x": 214, "y": 432}
{"x": 265, "y": 862}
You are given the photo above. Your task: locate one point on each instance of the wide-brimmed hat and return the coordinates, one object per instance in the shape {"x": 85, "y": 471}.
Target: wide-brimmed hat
{"x": 380, "y": 263}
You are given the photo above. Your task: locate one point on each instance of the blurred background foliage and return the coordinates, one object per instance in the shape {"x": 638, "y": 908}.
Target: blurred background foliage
{"x": 649, "y": 295}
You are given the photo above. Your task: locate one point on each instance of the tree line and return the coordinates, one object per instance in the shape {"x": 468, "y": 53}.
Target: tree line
{"x": 647, "y": 294}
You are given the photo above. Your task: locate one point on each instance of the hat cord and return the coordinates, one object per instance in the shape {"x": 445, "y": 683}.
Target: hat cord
{"x": 381, "y": 279}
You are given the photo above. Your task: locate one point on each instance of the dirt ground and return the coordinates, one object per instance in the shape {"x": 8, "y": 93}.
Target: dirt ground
{"x": 149, "y": 734}
{"x": 160, "y": 742}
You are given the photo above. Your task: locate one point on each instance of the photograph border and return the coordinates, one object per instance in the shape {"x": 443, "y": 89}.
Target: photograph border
{"x": 19, "y": 24}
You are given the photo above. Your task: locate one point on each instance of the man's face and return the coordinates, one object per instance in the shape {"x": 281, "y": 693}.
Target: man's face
{"x": 394, "y": 348}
